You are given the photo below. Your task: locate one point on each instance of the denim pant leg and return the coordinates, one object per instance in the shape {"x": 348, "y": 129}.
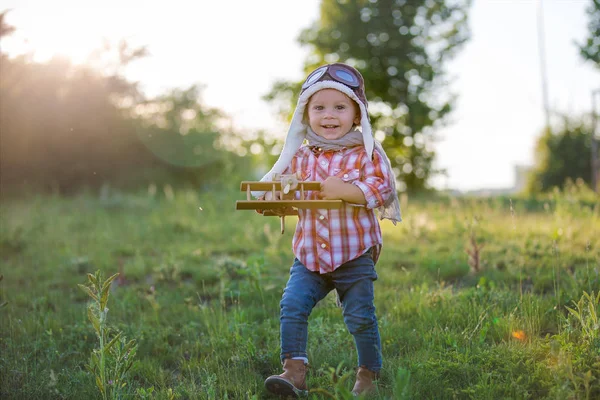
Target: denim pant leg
{"x": 302, "y": 292}
{"x": 354, "y": 283}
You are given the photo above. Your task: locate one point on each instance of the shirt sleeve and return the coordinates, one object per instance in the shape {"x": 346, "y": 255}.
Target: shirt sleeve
{"x": 375, "y": 181}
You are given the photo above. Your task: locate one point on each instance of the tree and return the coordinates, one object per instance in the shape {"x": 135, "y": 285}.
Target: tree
{"x": 590, "y": 49}
{"x": 562, "y": 155}
{"x": 5, "y": 29}
{"x": 185, "y": 134}
{"x": 401, "y": 48}
{"x": 64, "y": 127}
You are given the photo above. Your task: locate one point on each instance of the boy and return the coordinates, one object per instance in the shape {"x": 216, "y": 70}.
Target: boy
{"x": 334, "y": 249}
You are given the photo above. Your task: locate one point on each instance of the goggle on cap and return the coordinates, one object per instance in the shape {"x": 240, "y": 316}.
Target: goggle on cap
{"x": 341, "y": 73}
{"x": 341, "y": 77}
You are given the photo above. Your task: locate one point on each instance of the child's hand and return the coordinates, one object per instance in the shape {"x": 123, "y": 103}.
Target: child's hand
{"x": 278, "y": 196}
{"x": 269, "y": 196}
{"x": 332, "y": 188}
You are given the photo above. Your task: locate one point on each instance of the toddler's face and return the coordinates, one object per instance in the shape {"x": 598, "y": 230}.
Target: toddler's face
{"x": 332, "y": 114}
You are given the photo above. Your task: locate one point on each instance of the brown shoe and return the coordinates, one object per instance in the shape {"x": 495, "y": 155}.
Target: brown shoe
{"x": 292, "y": 383}
{"x": 364, "y": 381}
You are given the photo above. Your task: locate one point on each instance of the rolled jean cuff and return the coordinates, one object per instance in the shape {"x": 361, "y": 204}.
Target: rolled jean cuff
{"x": 293, "y": 354}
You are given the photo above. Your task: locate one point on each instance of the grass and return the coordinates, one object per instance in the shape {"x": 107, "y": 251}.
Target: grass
{"x": 200, "y": 284}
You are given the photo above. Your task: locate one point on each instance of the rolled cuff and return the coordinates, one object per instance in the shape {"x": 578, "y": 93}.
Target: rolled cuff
{"x": 373, "y": 198}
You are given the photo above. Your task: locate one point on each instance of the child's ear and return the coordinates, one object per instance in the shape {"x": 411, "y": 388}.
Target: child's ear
{"x": 357, "y": 113}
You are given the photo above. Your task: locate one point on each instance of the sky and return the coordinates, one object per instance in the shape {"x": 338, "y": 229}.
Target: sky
{"x": 237, "y": 49}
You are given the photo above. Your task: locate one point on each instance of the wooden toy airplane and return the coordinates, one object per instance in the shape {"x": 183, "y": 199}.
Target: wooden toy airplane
{"x": 287, "y": 184}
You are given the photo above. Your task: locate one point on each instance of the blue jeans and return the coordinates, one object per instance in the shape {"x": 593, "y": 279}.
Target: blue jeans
{"x": 354, "y": 284}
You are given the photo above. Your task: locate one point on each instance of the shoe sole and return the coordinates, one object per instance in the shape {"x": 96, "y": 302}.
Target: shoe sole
{"x": 281, "y": 387}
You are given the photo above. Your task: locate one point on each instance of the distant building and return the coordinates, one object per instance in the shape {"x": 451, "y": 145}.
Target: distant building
{"x": 521, "y": 174}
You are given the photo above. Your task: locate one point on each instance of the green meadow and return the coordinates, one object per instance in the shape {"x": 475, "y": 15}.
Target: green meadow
{"x": 477, "y": 298}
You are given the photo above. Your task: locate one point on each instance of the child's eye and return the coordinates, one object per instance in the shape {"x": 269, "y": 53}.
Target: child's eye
{"x": 341, "y": 107}
{"x": 317, "y": 107}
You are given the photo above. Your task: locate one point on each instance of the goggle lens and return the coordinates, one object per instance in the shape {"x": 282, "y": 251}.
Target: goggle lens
{"x": 337, "y": 73}
{"x": 346, "y": 77}
{"x": 314, "y": 77}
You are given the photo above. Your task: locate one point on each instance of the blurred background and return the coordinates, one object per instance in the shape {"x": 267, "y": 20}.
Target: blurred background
{"x": 479, "y": 97}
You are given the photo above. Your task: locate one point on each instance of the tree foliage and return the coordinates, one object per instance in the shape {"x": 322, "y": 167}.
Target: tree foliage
{"x": 185, "y": 134}
{"x": 58, "y": 126}
{"x": 65, "y": 126}
{"x": 401, "y": 48}
{"x": 562, "y": 155}
{"x": 5, "y": 28}
{"x": 590, "y": 49}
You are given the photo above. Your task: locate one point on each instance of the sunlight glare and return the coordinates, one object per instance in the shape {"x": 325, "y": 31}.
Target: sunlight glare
{"x": 72, "y": 33}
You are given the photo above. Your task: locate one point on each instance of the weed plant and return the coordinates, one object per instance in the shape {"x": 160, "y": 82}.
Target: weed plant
{"x": 114, "y": 356}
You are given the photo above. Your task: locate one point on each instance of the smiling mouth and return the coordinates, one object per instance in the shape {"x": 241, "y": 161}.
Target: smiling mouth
{"x": 329, "y": 126}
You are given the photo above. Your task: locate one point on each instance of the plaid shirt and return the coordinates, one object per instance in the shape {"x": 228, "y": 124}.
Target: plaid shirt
{"x": 326, "y": 239}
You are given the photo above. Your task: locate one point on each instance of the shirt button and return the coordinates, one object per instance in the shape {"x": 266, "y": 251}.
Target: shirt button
{"x": 323, "y": 162}
{"x": 346, "y": 176}
{"x": 323, "y": 245}
{"x": 321, "y": 217}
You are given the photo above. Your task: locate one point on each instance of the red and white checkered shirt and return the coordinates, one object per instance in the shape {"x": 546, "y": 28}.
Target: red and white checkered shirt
{"x": 326, "y": 239}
